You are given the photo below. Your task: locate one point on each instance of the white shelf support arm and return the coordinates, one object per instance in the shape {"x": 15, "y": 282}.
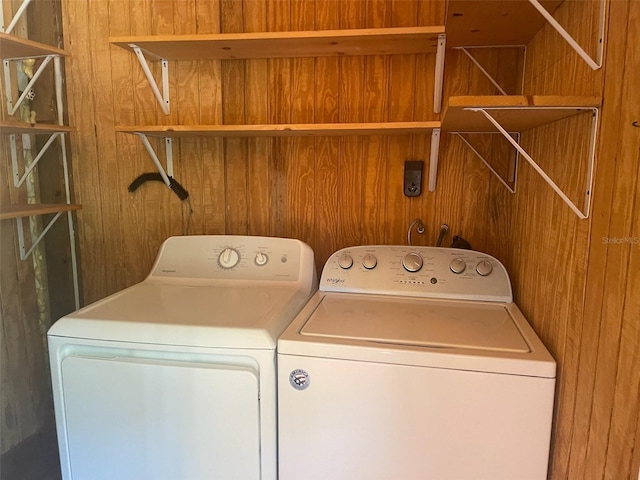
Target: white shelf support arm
{"x": 24, "y": 253}
{"x": 15, "y": 18}
{"x": 594, "y": 64}
{"x": 433, "y": 159}
{"x": 156, "y": 160}
{"x": 17, "y": 179}
{"x": 162, "y": 98}
{"x": 491, "y": 169}
{"x": 439, "y": 73}
{"x": 7, "y": 77}
{"x": 540, "y": 171}
{"x": 482, "y": 70}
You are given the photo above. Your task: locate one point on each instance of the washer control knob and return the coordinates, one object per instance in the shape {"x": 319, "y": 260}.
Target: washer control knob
{"x": 369, "y": 261}
{"x": 261, "y": 259}
{"x": 345, "y": 261}
{"x": 228, "y": 258}
{"x": 412, "y": 262}
{"x": 458, "y": 266}
{"x": 484, "y": 268}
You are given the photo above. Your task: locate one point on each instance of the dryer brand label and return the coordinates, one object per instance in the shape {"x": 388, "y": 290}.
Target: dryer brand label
{"x": 299, "y": 379}
{"x": 334, "y": 280}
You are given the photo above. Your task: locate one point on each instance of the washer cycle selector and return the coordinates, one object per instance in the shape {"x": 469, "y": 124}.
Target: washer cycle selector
{"x": 228, "y": 258}
{"x": 458, "y": 265}
{"x": 412, "y": 262}
{"x": 345, "y": 261}
{"x": 484, "y": 268}
{"x": 369, "y": 261}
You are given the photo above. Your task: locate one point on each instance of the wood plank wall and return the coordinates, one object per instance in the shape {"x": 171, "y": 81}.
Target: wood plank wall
{"x": 25, "y": 389}
{"x": 578, "y": 289}
{"x": 329, "y": 192}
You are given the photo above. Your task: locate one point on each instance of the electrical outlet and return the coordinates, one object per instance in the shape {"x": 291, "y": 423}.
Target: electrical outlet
{"x": 413, "y": 177}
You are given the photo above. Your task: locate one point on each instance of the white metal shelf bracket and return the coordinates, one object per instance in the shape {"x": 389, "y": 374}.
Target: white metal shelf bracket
{"x": 162, "y": 98}
{"x": 17, "y": 179}
{"x": 489, "y": 77}
{"x": 24, "y": 253}
{"x": 7, "y": 81}
{"x": 513, "y": 174}
{"x": 594, "y": 64}
{"x": 168, "y": 144}
{"x": 21, "y": 9}
{"x": 439, "y": 73}
{"x": 433, "y": 159}
{"x": 592, "y": 147}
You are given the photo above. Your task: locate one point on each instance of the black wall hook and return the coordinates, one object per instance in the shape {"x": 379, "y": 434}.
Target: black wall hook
{"x": 635, "y": 124}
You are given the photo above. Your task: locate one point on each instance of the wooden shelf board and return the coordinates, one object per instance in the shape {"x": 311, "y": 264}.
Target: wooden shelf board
{"x": 8, "y": 127}
{"x": 283, "y": 130}
{"x": 511, "y": 111}
{"x": 370, "y": 41}
{"x": 494, "y": 22}
{"x": 27, "y": 210}
{"x": 16, "y": 47}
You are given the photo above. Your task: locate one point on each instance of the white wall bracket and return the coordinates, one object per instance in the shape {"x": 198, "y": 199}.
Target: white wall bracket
{"x": 11, "y": 107}
{"x": 433, "y": 158}
{"x": 594, "y": 64}
{"x": 489, "y": 77}
{"x": 17, "y": 179}
{"x": 24, "y": 253}
{"x": 439, "y": 73}
{"x": 162, "y": 98}
{"x": 21, "y": 9}
{"x": 513, "y": 173}
{"x": 168, "y": 144}
{"x": 584, "y": 213}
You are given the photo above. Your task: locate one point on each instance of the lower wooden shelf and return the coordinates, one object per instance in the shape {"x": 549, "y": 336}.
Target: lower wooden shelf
{"x": 283, "y": 130}
{"x": 30, "y": 209}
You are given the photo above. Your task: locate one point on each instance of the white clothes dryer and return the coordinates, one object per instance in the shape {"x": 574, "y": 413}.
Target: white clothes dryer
{"x": 175, "y": 377}
{"x": 413, "y": 363}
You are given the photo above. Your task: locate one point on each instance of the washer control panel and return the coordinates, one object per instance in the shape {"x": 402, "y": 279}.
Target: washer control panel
{"x": 417, "y": 271}
{"x": 233, "y": 257}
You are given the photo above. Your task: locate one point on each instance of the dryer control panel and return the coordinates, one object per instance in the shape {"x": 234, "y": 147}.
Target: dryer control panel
{"x": 207, "y": 258}
{"x": 430, "y": 272}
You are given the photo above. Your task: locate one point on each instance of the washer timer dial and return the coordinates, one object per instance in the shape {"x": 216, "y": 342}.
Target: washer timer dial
{"x": 228, "y": 258}
{"x": 412, "y": 262}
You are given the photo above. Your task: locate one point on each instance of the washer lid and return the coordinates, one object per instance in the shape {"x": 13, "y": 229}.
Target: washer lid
{"x": 202, "y": 316}
{"x": 416, "y": 322}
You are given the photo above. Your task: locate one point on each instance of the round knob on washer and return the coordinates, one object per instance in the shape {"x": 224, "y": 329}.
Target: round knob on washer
{"x": 412, "y": 262}
{"x": 345, "y": 261}
{"x": 369, "y": 261}
{"x": 458, "y": 265}
{"x": 484, "y": 268}
{"x": 228, "y": 258}
{"x": 261, "y": 259}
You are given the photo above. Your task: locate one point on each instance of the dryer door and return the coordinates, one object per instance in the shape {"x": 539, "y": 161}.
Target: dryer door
{"x": 131, "y": 418}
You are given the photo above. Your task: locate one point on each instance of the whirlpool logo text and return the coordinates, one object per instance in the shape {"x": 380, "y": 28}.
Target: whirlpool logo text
{"x": 334, "y": 281}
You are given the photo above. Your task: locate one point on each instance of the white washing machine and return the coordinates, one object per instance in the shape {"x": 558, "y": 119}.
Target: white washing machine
{"x": 175, "y": 378}
{"x": 413, "y": 363}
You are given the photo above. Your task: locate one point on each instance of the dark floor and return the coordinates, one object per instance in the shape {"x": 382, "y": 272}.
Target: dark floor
{"x": 36, "y": 458}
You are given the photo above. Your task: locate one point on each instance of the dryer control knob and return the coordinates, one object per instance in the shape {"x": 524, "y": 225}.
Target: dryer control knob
{"x": 484, "y": 268}
{"x": 412, "y": 262}
{"x": 345, "y": 261}
{"x": 457, "y": 265}
{"x": 228, "y": 258}
{"x": 369, "y": 261}
{"x": 261, "y": 259}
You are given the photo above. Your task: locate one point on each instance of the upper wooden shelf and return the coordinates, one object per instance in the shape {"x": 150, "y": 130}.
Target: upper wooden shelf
{"x": 16, "y": 47}
{"x": 514, "y": 112}
{"x": 494, "y": 22}
{"x": 28, "y": 210}
{"x": 282, "y": 130}
{"x": 319, "y": 43}
{"x": 9, "y": 127}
